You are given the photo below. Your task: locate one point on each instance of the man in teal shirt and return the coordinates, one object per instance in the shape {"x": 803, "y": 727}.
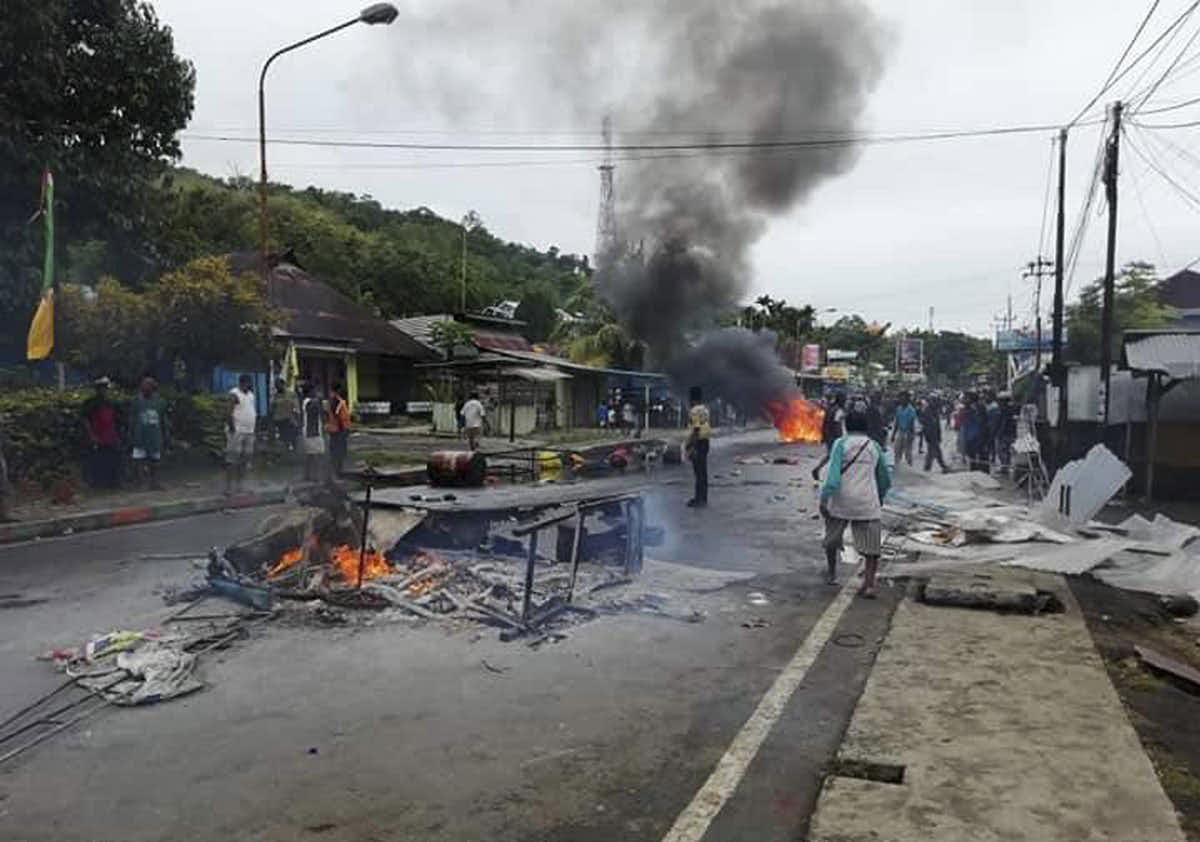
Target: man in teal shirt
{"x": 148, "y": 414}
{"x": 906, "y": 428}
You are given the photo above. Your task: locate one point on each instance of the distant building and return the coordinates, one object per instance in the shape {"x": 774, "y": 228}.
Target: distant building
{"x": 334, "y": 338}
{"x": 1181, "y": 292}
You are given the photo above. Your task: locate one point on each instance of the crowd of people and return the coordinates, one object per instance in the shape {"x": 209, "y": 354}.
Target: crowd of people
{"x": 305, "y": 420}
{"x": 983, "y": 425}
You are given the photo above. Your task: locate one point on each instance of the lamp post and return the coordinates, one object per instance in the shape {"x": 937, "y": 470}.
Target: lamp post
{"x": 377, "y": 13}
{"x": 469, "y": 223}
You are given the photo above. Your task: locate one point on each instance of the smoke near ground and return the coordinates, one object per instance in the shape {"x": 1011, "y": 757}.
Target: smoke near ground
{"x": 670, "y": 71}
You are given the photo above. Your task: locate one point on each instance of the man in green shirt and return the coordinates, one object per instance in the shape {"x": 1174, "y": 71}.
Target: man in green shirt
{"x": 148, "y": 415}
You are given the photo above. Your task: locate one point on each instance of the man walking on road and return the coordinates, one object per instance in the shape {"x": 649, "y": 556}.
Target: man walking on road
{"x": 473, "y": 415}
{"x": 931, "y": 425}
{"x": 852, "y": 495}
{"x": 697, "y": 446}
{"x": 906, "y": 427}
{"x": 239, "y": 447}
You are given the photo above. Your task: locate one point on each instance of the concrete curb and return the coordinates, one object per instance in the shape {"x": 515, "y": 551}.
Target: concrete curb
{"x": 106, "y": 519}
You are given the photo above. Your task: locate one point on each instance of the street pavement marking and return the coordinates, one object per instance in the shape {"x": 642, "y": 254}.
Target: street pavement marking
{"x": 694, "y": 821}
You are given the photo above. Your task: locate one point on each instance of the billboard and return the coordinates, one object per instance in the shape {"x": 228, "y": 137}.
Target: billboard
{"x": 1015, "y": 341}
{"x": 910, "y": 356}
{"x": 810, "y": 358}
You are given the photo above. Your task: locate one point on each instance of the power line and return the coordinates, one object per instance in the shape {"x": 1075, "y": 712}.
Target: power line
{"x": 1147, "y": 158}
{"x": 803, "y": 143}
{"x": 1085, "y": 212}
{"x": 1166, "y": 72}
{"x": 1112, "y": 73}
{"x": 1137, "y": 191}
{"x": 1172, "y": 27}
{"x": 1189, "y": 124}
{"x": 1046, "y": 200}
{"x": 1174, "y": 107}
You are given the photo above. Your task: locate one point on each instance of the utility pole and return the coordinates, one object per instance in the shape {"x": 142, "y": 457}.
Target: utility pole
{"x": 1036, "y": 269}
{"x": 1058, "y": 374}
{"x": 1111, "y": 161}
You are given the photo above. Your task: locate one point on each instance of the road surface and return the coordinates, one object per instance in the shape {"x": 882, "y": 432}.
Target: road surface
{"x": 398, "y": 731}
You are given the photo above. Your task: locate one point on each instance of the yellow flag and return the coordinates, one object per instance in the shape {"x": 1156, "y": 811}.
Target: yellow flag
{"x": 41, "y": 330}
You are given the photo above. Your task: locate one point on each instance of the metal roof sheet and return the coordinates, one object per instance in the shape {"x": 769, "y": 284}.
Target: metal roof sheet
{"x": 1177, "y": 353}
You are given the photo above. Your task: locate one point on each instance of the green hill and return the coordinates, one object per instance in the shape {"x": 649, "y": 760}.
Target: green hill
{"x": 400, "y": 262}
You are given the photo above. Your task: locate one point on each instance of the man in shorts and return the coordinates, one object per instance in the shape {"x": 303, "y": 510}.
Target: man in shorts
{"x": 852, "y": 496}
{"x": 473, "y": 416}
{"x": 243, "y": 416}
{"x": 148, "y": 417}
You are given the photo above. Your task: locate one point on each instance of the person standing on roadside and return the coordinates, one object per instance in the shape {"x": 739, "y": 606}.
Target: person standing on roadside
{"x": 102, "y": 467}
{"x": 697, "y": 446}
{"x": 906, "y": 428}
{"x": 5, "y": 486}
{"x": 312, "y": 429}
{"x": 473, "y": 415}
{"x": 241, "y": 422}
{"x": 337, "y": 424}
{"x": 148, "y": 419}
{"x": 284, "y": 411}
{"x": 852, "y": 495}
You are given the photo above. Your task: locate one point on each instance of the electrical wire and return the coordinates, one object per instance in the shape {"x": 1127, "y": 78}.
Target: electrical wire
{"x": 1137, "y": 192}
{"x": 1085, "y": 214}
{"x": 1171, "y": 28}
{"x": 802, "y": 143}
{"x": 1166, "y": 108}
{"x": 1147, "y": 159}
{"x": 1189, "y": 124}
{"x": 1124, "y": 54}
{"x": 1171, "y": 67}
{"x": 1046, "y": 200}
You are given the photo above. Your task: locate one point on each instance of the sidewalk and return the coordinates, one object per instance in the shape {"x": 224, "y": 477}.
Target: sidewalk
{"x": 1003, "y": 727}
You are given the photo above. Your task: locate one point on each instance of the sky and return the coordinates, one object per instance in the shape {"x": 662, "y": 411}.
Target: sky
{"x": 945, "y": 225}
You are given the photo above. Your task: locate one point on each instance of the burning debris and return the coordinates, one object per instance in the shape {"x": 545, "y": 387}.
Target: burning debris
{"x": 797, "y": 419}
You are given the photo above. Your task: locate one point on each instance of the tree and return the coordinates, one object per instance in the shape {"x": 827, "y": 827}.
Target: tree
{"x": 93, "y": 90}
{"x": 607, "y": 347}
{"x": 108, "y": 331}
{"x": 538, "y": 312}
{"x": 205, "y": 315}
{"x": 1136, "y": 304}
{"x": 449, "y": 334}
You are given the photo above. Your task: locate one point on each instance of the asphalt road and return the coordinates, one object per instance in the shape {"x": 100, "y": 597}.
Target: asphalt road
{"x": 399, "y": 732}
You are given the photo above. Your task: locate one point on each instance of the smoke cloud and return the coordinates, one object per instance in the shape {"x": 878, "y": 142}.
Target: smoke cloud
{"x": 669, "y": 71}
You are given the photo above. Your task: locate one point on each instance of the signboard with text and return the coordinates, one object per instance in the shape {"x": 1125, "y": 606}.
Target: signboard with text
{"x": 810, "y": 358}
{"x": 910, "y": 356}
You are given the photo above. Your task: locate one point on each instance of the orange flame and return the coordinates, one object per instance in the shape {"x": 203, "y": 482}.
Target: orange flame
{"x": 286, "y": 561}
{"x": 344, "y": 560}
{"x": 797, "y": 419}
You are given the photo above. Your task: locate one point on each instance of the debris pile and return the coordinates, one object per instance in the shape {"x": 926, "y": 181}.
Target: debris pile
{"x": 951, "y": 523}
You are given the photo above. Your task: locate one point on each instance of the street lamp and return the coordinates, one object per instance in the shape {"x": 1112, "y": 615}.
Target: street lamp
{"x": 376, "y": 13}
{"x": 469, "y": 223}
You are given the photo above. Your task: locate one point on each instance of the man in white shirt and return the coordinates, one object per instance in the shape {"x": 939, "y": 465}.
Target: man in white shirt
{"x": 473, "y": 414}
{"x": 243, "y": 416}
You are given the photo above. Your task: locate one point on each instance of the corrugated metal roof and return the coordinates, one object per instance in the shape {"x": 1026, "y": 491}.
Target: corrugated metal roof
{"x": 1177, "y": 354}
{"x": 537, "y": 375}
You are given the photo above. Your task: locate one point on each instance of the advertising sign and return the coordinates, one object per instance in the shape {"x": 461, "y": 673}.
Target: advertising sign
{"x": 810, "y": 358}
{"x": 909, "y": 356}
{"x": 1010, "y": 341}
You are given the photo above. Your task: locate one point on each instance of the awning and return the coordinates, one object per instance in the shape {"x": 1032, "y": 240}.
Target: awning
{"x": 536, "y": 375}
